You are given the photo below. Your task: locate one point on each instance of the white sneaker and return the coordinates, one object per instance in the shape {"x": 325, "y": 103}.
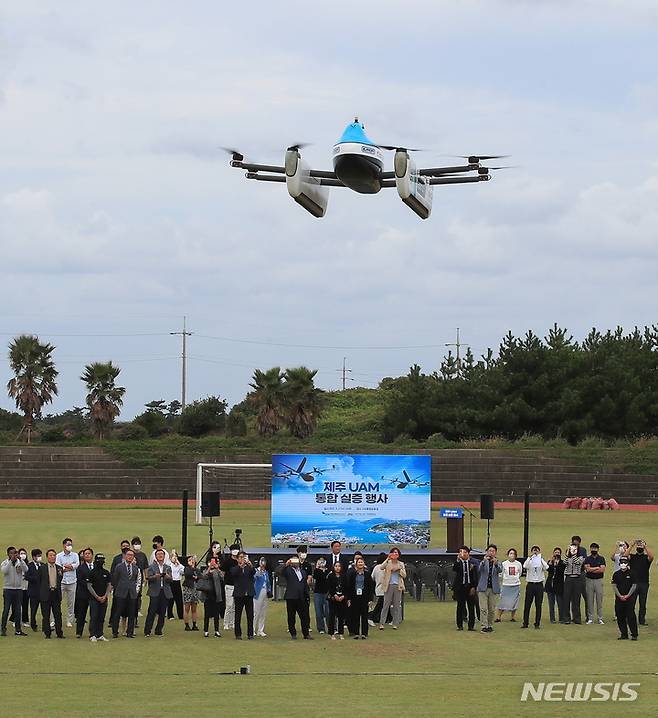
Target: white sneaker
{"x": 69, "y": 624}
{"x": 333, "y": 638}
{"x": 101, "y": 638}
{"x": 205, "y": 634}
{"x": 93, "y": 639}
{"x": 589, "y": 620}
{"x": 601, "y": 622}
{"x": 371, "y": 623}
{"x": 262, "y": 634}
{"x": 140, "y": 614}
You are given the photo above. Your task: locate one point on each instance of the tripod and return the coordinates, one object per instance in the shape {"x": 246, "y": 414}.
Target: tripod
{"x": 208, "y": 551}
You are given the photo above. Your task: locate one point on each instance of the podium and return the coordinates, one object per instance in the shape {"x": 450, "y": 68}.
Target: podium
{"x": 455, "y": 534}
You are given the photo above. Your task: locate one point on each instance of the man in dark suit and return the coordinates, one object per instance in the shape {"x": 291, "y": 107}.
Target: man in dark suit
{"x": 243, "y": 594}
{"x": 464, "y": 587}
{"x": 158, "y": 577}
{"x": 337, "y": 556}
{"x": 50, "y": 594}
{"x": 33, "y": 586}
{"x": 125, "y": 545}
{"x": 124, "y": 579}
{"x": 297, "y": 597}
{"x": 82, "y": 596}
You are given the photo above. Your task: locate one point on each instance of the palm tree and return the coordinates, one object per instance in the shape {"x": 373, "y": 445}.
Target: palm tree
{"x": 304, "y": 401}
{"x": 104, "y": 398}
{"x": 33, "y": 384}
{"x": 267, "y": 397}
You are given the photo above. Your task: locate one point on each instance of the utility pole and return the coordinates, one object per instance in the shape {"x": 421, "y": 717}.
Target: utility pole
{"x": 184, "y": 334}
{"x": 345, "y": 371}
{"x": 458, "y": 345}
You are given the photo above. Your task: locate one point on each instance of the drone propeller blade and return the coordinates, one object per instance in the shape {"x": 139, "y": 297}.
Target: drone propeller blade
{"x": 402, "y": 149}
{"x": 301, "y": 465}
{"x": 406, "y": 475}
{"x": 299, "y": 145}
{"x": 502, "y": 167}
{"x": 473, "y": 159}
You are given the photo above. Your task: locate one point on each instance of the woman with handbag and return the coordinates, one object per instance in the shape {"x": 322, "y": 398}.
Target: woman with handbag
{"x": 191, "y": 575}
{"x": 262, "y": 593}
{"x": 211, "y": 585}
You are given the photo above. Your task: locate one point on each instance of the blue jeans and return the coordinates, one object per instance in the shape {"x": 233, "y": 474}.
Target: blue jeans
{"x": 321, "y": 611}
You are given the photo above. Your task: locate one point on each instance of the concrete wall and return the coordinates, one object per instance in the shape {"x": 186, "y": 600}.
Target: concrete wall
{"x": 43, "y": 472}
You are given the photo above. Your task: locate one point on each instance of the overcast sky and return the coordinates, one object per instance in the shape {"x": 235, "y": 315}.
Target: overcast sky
{"x": 119, "y": 215}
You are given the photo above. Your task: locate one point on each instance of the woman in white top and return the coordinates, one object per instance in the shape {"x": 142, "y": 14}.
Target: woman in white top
{"x": 511, "y": 586}
{"x": 177, "y": 571}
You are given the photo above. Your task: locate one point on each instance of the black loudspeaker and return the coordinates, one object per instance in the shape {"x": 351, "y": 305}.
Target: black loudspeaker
{"x": 486, "y": 506}
{"x": 210, "y": 503}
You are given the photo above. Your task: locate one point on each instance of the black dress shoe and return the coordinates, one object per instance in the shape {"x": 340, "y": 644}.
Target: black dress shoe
{"x": 115, "y": 635}
{"x": 61, "y": 635}
{"x": 46, "y": 635}
{"x": 158, "y": 633}
{"x": 633, "y": 638}
{"x": 471, "y": 628}
{"x": 293, "y": 637}
{"x": 3, "y": 632}
{"x": 310, "y": 638}
{"x": 460, "y": 628}
{"x": 20, "y": 633}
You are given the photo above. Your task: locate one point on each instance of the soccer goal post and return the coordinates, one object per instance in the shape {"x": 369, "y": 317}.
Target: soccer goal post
{"x": 199, "y": 481}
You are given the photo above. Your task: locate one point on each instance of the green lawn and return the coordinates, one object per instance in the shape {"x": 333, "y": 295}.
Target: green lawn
{"x": 425, "y": 669}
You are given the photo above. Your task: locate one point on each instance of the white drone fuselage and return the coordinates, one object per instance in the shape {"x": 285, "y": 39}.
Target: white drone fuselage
{"x": 359, "y": 165}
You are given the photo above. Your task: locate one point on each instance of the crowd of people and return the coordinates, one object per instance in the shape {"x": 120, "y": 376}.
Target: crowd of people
{"x": 77, "y": 588}
{"x": 484, "y": 588}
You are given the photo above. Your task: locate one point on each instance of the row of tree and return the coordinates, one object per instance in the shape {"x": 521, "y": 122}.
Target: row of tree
{"x": 278, "y": 398}
{"x": 34, "y": 385}
{"x": 605, "y": 386}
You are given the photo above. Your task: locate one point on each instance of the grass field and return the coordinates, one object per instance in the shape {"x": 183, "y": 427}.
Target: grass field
{"x": 424, "y": 669}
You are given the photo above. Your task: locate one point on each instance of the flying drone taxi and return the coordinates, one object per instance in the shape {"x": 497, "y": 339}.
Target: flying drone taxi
{"x": 359, "y": 165}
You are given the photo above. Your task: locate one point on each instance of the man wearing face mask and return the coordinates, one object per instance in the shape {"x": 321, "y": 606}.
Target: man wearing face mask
{"x": 640, "y": 559}
{"x": 13, "y": 570}
{"x": 594, "y": 570}
{"x": 229, "y": 563}
{"x": 142, "y": 563}
{"x": 69, "y": 561}
{"x": 33, "y": 586}
{"x": 99, "y": 586}
{"x": 625, "y": 593}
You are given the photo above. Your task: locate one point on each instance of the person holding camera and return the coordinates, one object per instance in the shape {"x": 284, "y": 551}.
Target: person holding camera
{"x": 640, "y": 559}
{"x": 534, "y": 566}
{"x": 262, "y": 594}
{"x": 573, "y": 570}
{"x": 618, "y": 551}
{"x": 227, "y": 566}
{"x": 554, "y": 585}
{"x": 393, "y": 587}
{"x": 212, "y": 592}
{"x": 625, "y": 594}
{"x": 158, "y": 577}
{"x": 191, "y": 575}
{"x": 243, "y": 594}
{"x": 320, "y": 574}
{"x": 489, "y": 587}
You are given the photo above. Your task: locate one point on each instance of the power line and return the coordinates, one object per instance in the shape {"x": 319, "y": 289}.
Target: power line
{"x": 314, "y": 346}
